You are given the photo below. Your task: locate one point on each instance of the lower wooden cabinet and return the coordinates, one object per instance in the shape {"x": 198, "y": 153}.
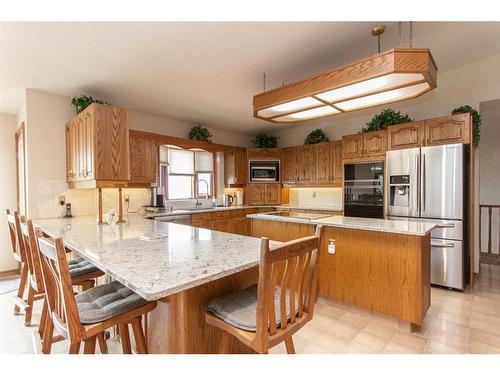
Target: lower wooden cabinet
{"x": 262, "y": 194}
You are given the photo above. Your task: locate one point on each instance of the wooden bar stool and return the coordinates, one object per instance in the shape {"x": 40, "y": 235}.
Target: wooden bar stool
{"x": 85, "y": 317}
{"x": 82, "y": 274}
{"x": 282, "y": 302}
{"x": 19, "y": 253}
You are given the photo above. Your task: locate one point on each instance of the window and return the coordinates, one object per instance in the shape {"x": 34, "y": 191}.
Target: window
{"x": 187, "y": 174}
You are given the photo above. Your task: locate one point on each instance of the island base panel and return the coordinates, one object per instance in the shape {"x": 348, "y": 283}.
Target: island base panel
{"x": 177, "y": 325}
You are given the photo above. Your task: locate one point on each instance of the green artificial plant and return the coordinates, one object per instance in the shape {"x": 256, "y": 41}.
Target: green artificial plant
{"x": 316, "y": 136}
{"x": 384, "y": 119}
{"x": 199, "y": 133}
{"x": 476, "y": 122}
{"x": 83, "y": 101}
{"x": 262, "y": 140}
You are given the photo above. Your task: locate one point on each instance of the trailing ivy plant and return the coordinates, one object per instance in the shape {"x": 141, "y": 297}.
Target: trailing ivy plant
{"x": 262, "y": 140}
{"x": 199, "y": 133}
{"x": 476, "y": 122}
{"x": 316, "y": 136}
{"x": 83, "y": 101}
{"x": 384, "y": 119}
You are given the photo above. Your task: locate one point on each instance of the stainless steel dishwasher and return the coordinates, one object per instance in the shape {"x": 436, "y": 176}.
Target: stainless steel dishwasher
{"x": 178, "y": 219}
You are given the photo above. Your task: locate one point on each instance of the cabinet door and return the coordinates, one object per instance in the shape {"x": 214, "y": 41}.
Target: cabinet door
{"x": 374, "y": 143}
{"x": 336, "y": 154}
{"x": 352, "y": 146}
{"x": 273, "y": 194}
{"x": 322, "y": 159}
{"x": 69, "y": 154}
{"x": 289, "y": 166}
{"x": 241, "y": 165}
{"x": 256, "y": 193}
{"x": 143, "y": 159}
{"x": 304, "y": 157}
{"x": 445, "y": 130}
{"x": 82, "y": 147}
{"x": 221, "y": 225}
{"x": 405, "y": 135}
{"x": 88, "y": 145}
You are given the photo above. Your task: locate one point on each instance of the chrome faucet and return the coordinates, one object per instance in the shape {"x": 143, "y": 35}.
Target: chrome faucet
{"x": 197, "y": 187}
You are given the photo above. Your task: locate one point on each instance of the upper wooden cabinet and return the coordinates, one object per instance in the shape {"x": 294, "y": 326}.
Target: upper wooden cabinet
{"x": 406, "y": 135}
{"x": 322, "y": 162}
{"x": 352, "y": 146}
{"x": 375, "y": 143}
{"x": 235, "y": 167}
{"x": 361, "y": 145}
{"x": 304, "y": 159}
{"x": 450, "y": 129}
{"x": 261, "y": 194}
{"x": 97, "y": 148}
{"x": 289, "y": 165}
{"x": 143, "y": 159}
{"x": 264, "y": 153}
{"x": 336, "y": 162}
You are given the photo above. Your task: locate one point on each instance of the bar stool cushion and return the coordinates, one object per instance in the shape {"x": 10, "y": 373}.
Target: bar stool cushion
{"x": 79, "y": 266}
{"x": 240, "y": 309}
{"x": 106, "y": 301}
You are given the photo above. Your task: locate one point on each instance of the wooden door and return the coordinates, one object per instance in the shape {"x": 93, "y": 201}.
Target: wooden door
{"x": 446, "y": 130}
{"x": 322, "y": 160}
{"x": 69, "y": 153}
{"x": 352, "y": 146}
{"x": 374, "y": 143}
{"x": 143, "y": 159}
{"x": 273, "y": 194}
{"x": 304, "y": 158}
{"x": 336, "y": 162}
{"x": 75, "y": 149}
{"x": 88, "y": 142}
{"x": 289, "y": 166}
{"x": 406, "y": 135}
{"x": 241, "y": 165}
{"x": 256, "y": 193}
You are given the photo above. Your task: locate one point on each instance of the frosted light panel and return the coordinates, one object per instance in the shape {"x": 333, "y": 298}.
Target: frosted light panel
{"x": 181, "y": 161}
{"x": 294, "y": 105}
{"x": 370, "y": 86}
{"x": 310, "y": 113}
{"x": 203, "y": 161}
{"x": 383, "y": 97}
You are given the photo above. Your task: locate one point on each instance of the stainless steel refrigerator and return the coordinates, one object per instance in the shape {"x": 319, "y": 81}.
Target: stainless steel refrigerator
{"x": 428, "y": 184}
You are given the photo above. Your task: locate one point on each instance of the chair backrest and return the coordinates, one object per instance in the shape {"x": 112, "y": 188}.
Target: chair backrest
{"x": 58, "y": 288}
{"x": 289, "y": 270}
{"x": 30, "y": 243}
{"x": 14, "y": 221}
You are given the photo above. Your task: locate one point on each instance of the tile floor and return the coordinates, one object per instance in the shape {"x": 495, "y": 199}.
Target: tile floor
{"x": 456, "y": 323}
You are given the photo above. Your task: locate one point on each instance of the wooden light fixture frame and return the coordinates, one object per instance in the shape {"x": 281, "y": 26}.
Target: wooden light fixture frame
{"x": 400, "y": 60}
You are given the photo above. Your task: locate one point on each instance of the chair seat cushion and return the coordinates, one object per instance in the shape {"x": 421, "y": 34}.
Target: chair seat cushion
{"x": 79, "y": 266}
{"x": 240, "y": 309}
{"x": 106, "y": 301}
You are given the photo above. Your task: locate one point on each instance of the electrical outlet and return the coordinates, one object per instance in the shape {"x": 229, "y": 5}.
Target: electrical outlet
{"x": 332, "y": 248}
{"x": 127, "y": 198}
{"x": 314, "y": 194}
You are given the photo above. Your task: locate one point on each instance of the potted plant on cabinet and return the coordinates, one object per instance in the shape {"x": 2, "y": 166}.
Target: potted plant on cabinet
{"x": 316, "y": 136}
{"x": 476, "y": 122}
{"x": 83, "y": 101}
{"x": 262, "y": 140}
{"x": 199, "y": 133}
{"x": 384, "y": 119}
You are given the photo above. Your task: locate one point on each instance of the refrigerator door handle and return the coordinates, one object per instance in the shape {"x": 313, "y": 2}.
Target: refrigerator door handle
{"x": 424, "y": 182}
{"x": 446, "y": 244}
{"x": 445, "y": 226}
{"x": 417, "y": 195}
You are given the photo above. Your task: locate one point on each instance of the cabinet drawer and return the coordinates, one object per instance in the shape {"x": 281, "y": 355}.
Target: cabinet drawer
{"x": 221, "y": 215}
{"x": 250, "y": 211}
{"x": 237, "y": 213}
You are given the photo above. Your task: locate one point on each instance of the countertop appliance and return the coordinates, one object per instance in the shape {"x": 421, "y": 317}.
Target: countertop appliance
{"x": 429, "y": 184}
{"x": 178, "y": 219}
{"x": 264, "y": 170}
{"x": 157, "y": 196}
{"x": 364, "y": 190}
{"x": 227, "y": 200}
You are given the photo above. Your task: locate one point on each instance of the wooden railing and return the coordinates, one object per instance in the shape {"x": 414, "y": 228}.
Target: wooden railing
{"x": 490, "y": 209}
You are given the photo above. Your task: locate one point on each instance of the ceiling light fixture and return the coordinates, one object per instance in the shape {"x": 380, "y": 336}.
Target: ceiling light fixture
{"x": 387, "y": 77}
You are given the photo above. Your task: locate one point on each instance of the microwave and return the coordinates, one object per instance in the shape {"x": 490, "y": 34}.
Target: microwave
{"x": 264, "y": 170}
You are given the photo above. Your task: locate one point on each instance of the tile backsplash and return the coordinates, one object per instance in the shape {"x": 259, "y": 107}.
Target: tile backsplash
{"x": 330, "y": 198}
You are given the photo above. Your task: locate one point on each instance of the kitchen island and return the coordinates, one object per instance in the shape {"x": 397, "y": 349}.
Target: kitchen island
{"x": 379, "y": 265}
{"x": 182, "y": 270}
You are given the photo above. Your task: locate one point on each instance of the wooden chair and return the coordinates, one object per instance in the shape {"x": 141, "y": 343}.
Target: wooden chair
{"x": 82, "y": 274}
{"x": 79, "y": 318}
{"x": 14, "y": 220}
{"x": 262, "y": 316}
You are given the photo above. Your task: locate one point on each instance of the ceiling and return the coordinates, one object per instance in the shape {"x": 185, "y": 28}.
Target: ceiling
{"x": 205, "y": 72}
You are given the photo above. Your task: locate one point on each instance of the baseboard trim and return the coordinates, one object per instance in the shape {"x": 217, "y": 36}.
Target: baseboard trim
{"x": 10, "y": 272}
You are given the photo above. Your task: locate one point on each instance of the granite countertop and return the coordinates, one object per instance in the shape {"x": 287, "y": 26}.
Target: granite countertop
{"x": 184, "y": 258}
{"x": 217, "y": 209}
{"x": 413, "y": 228}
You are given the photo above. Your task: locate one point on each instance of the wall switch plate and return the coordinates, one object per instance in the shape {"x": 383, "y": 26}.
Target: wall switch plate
{"x": 127, "y": 198}
{"x": 332, "y": 248}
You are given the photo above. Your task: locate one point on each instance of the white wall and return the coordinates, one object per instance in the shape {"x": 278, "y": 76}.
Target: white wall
{"x": 8, "y": 195}
{"x": 469, "y": 84}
